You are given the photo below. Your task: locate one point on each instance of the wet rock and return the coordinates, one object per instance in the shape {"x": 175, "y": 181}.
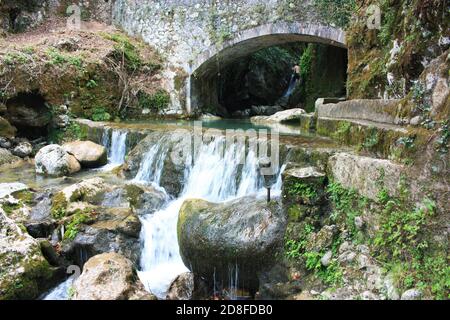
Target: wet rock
{"x": 6, "y": 157}
{"x": 411, "y": 294}
{"x": 90, "y": 190}
{"x": 143, "y": 199}
{"x": 88, "y": 154}
{"x": 24, "y": 271}
{"x": 214, "y": 237}
{"x": 112, "y": 230}
{"x": 168, "y": 147}
{"x": 40, "y": 223}
{"x": 6, "y": 129}
{"x": 52, "y": 160}
{"x": 182, "y": 288}
{"x": 282, "y": 116}
{"x": 23, "y": 149}
{"x": 109, "y": 276}
{"x": 7, "y": 189}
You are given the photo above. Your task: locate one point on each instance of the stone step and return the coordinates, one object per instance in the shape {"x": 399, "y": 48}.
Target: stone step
{"x": 373, "y": 110}
{"x": 384, "y": 140}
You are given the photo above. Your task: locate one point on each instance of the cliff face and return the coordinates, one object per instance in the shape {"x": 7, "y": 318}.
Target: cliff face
{"x": 384, "y": 62}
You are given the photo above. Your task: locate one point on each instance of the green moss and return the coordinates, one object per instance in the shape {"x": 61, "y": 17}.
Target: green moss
{"x": 59, "y": 205}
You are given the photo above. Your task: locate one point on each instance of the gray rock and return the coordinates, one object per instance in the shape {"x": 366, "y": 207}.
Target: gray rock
{"x": 182, "y": 288}
{"x": 88, "y": 153}
{"x": 213, "y": 237}
{"x": 359, "y": 223}
{"x": 282, "y": 116}
{"x": 23, "y": 149}
{"x": 109, "y": 276}
{"x": 21, "y": 262}
{"x": 6, "y": 157}
{"x": 390, "y": 289}
{"x": 6, "y": 189}
{"x": 411, "y": 294}
{"x": 61, "y": 121}
{"x": 360, "y": 173}
{"x": 5, "y": 143}
{"x": 40, "y": 223}
{"x": 326, "y": 259}
{"x": 143, "y": 199}
{"x": 52, "y": 160}
{"x": 112, "y": 230}
{"x": 415, "y": 121}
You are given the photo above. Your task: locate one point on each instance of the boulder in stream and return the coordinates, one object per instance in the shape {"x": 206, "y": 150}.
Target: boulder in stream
{"x": 109, "y": 276}
{"x": 214, "y": 238}
{"x": 289, "y": 115}
{"x": 24, "y": 271}
{"x": 52, "y": 160}
{"x": 88, "y": 153}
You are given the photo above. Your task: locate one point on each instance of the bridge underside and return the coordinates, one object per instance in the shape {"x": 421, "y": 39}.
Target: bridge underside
{"x": 207, "y": 67}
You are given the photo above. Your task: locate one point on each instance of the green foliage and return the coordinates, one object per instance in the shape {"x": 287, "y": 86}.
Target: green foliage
{"x": 342, "y": 131}
{"x": 100, "y": 114}
{"x": 156, "y": 102}
{"x": 295, "y": 248}
{"x": 371, "y": 140}
{"x": 73, "y": 227}
{"x": 126, "y": 51}
{"x": 443, "y": 138}
{"x": 401, "y": 226}
{"x": 91, "y": 84}
{"x": 331, "y": 275}
{"x": 302, "y": 190}
{"x": 59, "y": 59}
{"x": 337, "y": 12}
{"x": 13, "y": 58}
{"x": 72, "y": 132}
{"x": 347, "y": 205}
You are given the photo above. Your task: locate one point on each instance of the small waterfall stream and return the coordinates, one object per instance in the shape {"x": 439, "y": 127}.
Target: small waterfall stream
{"x": 116, "y": 144}
{"x": 215, "y": 175}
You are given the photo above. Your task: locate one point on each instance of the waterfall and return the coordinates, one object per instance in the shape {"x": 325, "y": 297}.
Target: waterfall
{"x": 215, "y": 175}
{"x": 291, "y": 87}
{"x": 61, "y": 292}
{"x": 116, "y": 144}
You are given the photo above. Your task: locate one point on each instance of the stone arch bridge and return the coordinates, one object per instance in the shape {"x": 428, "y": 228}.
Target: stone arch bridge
{"x": 196, "y": 36}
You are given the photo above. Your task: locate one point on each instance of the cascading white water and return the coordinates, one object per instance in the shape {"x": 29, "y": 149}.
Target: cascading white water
{"x": 61, "y": 292}
{"x": 216, "y": 175}
{"x": 116, "y": 144}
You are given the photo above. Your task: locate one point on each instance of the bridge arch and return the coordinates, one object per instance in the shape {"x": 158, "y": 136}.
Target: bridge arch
{"x": 200, "y": 87}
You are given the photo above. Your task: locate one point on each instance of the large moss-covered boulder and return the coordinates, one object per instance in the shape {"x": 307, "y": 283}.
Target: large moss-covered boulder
{"x": 246, "y": 233}
{"x": 88, "y": 153}
{"x": 24, "y": 272}
{"x": 104, "y": 230}
{"x": 109, "y": 276}
{"x": 6, "y": 157}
